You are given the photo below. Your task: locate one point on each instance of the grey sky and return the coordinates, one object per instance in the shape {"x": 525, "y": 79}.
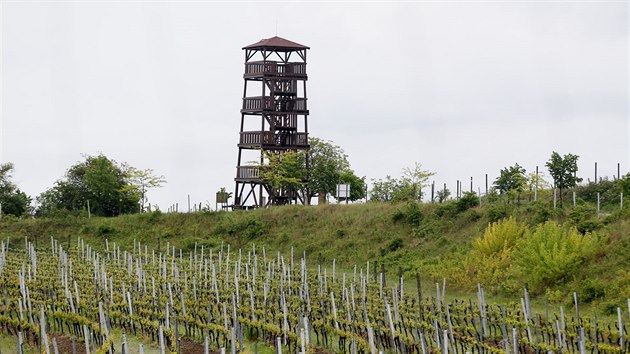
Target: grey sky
{"x": 465, "y": 88}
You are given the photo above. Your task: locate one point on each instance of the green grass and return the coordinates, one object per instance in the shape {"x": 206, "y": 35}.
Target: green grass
{"x": 405, "y": 238}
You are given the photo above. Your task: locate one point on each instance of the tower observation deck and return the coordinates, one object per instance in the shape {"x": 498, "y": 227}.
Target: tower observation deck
{"x": 274, "y": 118}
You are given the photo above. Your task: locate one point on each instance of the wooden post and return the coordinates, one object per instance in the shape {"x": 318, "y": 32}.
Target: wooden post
{"x": 432, "y": 191}
{"x": 457, "y": 190}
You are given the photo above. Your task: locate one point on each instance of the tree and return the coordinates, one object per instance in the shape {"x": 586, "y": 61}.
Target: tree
{"x": 12, "y": 200}
{"x": 140, "y": 181}
{"x": 99, "y": 181}
{"x": 327, "y": 162}
{"x": 414, "y": 179}
{"x": 357, "y": 185}
{"x": 383, "y": 189}
{"x": 511, "y": 181}
{"x": 624, "y": 182}
{"x": 408, "y": 187}
{"x": 442, "y": 195}
{"x": 563, "y": 170}
{"x": 537, "y": 181}
{"x": 283, "y": 171}
{"x": 328, "y": 166}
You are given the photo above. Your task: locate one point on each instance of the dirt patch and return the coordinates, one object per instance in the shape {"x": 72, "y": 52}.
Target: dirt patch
{"x": 189, "y": 346}
{"x": 64, "y": 344}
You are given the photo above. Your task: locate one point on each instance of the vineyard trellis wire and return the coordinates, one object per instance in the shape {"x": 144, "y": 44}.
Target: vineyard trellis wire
{"x": 222, "y": 299}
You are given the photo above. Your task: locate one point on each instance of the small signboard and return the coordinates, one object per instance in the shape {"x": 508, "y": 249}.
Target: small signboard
{"x": 343, "y": 191}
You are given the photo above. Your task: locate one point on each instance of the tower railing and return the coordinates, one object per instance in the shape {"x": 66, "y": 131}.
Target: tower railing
{"x": 248, "y": 172}
{"x": 260, "y": 104}
{"x": 271, "y": 139}
{"x": 273, "y": 68}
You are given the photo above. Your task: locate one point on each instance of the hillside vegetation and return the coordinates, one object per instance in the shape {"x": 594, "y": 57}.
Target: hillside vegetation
{"x": 502, "y": 245}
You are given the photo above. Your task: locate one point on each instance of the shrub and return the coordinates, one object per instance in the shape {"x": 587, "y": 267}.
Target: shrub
{"x": 392, "y": 246}
{"x": 586, "y": 226}
{"x": 104, "y": 229}
{"x": 609, "y": 308}
{"x": 553, "y": 253}
{"x": 591, "y": 289}
{"x": 467, "y": 201}
{"x": 554, "y": 296}
{"x": 496, "y": 212}
{"x": 541, "y": 211}
{"x": 498, "y": 236}
{"x": 446, "y": 209}
{"x": 410, "y": 213}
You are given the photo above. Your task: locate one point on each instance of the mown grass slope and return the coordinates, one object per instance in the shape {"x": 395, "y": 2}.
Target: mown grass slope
{"x": 405, "y": 237}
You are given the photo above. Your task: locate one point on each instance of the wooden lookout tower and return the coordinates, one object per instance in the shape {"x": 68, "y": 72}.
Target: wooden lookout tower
{"x": 273, "y": 118}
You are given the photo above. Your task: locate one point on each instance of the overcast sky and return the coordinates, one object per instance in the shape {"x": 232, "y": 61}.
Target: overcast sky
{"x": 464, "y": 87}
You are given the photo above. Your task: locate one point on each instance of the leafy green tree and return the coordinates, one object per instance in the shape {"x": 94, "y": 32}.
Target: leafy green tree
{"x": 413, "y": 180}
{"x": 383, "y": 189}
{"x": 327, "y": 162}
{"x": 407, "y": 188}
{"x": 102, "y": 182}
{"x": 328, "y": 166}
{"x": 357, "y": 185}
{"x": 442, "y": 195}
{"x": 537, "y": 181}
{"x": 140, "y": 181}
{"x": 624, "y": 183}
{"x": 511, "y": 181}
{"x": 563, "y": 170}
{"x": 283, "y": 172}
{"x": 12, "y": 200}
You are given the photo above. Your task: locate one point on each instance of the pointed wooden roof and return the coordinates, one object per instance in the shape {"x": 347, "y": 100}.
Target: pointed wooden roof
{"x": 276, "y": 43}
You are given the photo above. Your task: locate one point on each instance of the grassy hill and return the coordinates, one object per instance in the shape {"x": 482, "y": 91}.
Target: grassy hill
{"x": 436, "y": 240}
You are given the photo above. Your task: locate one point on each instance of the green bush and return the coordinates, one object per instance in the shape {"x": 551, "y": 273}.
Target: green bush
{"x": 467, "y": 201}
{"x": 591, "y": 289}
{"x": 503, "y": 234}
{"x": 496, "y": 212}
{"x": 608, "y": 192}
{"x": 104, "y": 229}
{"x": 446, "y": 209}
{"x": 553, "y": 253}
{"x": 541, "y": 211}
{"x": 393, "y": 246}
{"x": 410, "y": 213}
{"x": 586, "y": 226}
{"x": 609, "y": 308}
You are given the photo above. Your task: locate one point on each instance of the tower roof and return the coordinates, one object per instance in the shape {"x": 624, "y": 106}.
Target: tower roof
{"x": 276, "y": 43}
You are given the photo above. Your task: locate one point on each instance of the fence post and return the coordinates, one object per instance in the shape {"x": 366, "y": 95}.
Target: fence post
{"x": 598, "y": 205}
